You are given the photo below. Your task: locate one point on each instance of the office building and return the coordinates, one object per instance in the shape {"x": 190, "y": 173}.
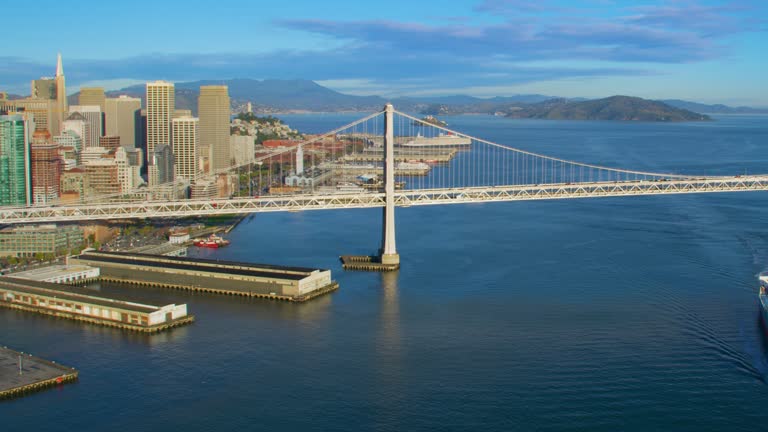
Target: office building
{"x": 109, "y": 142}
{"x": 92, "y": 116}
{"x": 185, "y": 143}
{"x": 76, "y": 125}
{"x": 45, "y": 168}
{"x": 15, "y": 171}
{"x": 162, "y": 160}
{"x": 44, "y": 88}
{"x": 43, "y": 110}
{"x": 61, "y": 109}
{"x": 160, "y": 108}
{"x": 93, "y": 96}
{"x": 122, "y": 115}
{"x": 214, "y": 112}
{"x": 30, "y": 240}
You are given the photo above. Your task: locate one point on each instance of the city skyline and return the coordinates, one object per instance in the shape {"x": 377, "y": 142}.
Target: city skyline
{"x": 705, "y": 51}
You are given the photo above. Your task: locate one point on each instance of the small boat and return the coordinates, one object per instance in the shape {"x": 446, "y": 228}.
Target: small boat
{"x": 213, "y": 241}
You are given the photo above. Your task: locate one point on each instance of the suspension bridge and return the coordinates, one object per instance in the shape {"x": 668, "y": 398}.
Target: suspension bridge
{"x": 390, "y": 159}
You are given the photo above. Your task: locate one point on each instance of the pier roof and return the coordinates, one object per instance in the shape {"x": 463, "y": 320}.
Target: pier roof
{"x": 167, "y": 262}
{"x": 70, "y": 293}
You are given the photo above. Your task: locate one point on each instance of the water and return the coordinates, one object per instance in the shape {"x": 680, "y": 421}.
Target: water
{"x": 601, "y": 315}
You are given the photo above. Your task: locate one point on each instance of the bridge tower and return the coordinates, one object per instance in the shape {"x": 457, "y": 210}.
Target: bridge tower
{"x": 388, "y": 252}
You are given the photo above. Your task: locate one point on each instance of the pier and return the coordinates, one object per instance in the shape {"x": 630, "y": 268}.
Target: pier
{"x": 294, "y": 284}
{"x": 80, "y": 304}
{"x": 22, "y": 373}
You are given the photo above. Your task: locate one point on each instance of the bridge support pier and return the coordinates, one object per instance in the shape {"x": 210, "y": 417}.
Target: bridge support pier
{"x": 388, "y": 253}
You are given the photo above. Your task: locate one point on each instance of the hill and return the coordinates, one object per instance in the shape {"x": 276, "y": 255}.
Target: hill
{"x": 624, "y": 108}
{"x": 713, "y": 109}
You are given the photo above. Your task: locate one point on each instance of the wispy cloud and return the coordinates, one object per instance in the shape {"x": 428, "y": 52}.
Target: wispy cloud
{"x": 495, "y": 48}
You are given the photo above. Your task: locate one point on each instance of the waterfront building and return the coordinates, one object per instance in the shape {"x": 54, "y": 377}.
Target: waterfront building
{"x": 92, "y": 116}
{"x": 15, "y": 169}
{"x": 122, "y": 115}
{"x": 46, "y": 168}
{"x": 214, "y": 111}
{"x": 185, "y": 143}
{"x": 160, "y": 108}
{"x": 30, "y": 240}
{"x": 82, "y": 304}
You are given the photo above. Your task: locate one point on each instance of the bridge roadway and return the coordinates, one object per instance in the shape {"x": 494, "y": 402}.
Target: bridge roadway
{"x": 403, "y": 198}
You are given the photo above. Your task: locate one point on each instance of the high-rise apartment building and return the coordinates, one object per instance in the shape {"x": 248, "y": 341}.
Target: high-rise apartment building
{"x": 122, "y": 114}
{"x": 214, "y": 111}
{"x": 160, "y": 107}
{"x": 92, "y": 116}
{"x": 15, "y": 179}
{"x": 185, "y": 143}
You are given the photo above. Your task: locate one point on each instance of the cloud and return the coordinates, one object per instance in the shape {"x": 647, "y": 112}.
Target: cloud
{"x": 452, "y": 53}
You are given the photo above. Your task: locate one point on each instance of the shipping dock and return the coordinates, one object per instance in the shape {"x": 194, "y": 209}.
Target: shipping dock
{"x": 294, "y": 284}
{"x": 84, "y": 305}
{"x": 22, "y": 373}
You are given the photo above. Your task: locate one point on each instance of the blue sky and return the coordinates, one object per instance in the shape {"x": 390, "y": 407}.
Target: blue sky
{"x": 704, "y": 50}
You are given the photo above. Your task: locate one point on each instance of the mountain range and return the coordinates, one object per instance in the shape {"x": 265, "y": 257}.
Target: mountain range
{"x": 273, "y": 96}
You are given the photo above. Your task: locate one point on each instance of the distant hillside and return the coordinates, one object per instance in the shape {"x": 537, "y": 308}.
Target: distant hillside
{"x": 624, "y": 108}
{"x": 713, "y": 109}
{"x": 273, "y": 96}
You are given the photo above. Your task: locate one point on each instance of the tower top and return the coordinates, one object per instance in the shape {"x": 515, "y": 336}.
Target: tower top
{"x": 59, "y": 67}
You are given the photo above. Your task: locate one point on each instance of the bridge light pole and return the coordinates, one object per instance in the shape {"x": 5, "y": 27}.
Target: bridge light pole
{"x": 388, "y": 252}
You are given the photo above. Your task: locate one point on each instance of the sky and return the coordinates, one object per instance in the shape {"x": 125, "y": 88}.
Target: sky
{"x": 711, "y": 51}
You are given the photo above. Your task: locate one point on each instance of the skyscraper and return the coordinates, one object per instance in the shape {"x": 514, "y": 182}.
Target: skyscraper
{"x": 15, "y": 179}
{"x": 44, "y": 88}
{"x": 45, "y": 168}
{"x": 92, "y": 115}
{"x": 76, "y": 123}
{"x": 185, "y": 143}
{"x": 214, "y": 112}
{"x": 61, "y": 97}
{"x": 93, "y": 96}
{"x": 121, "y": 114}
{"x": 160, "y": 107}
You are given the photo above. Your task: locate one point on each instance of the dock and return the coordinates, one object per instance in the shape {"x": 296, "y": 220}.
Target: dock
{"x": 22, "y": 373}
{"x": 61, "y": 274}
{"x": 80, "y": 304}
{"x": 295, "y": 284}
{"x": 366, "y": 263}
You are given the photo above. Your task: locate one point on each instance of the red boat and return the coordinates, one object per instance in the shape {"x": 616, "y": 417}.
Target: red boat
{"x": 213, "y": 242}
